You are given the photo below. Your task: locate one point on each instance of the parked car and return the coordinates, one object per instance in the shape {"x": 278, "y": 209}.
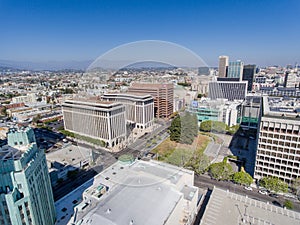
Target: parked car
{"x": 248, "y": 188}
{"x": 263, "y": 192}
{"x": 273, "y": 195}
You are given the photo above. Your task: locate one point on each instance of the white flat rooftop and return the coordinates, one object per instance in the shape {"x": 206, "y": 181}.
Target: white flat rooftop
{"x": 228, "y": 208}
{"x": 138, "y": 193}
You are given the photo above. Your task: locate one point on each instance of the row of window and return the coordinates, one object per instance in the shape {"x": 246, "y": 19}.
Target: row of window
{"x": 279, "y": 137}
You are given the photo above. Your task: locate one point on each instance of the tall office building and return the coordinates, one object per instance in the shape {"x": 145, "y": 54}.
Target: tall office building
{"x": 25, "y": 190}
{"x": 223, "y": 65}
{"x": 278, "y": 151}
{"x": 235, "y": 69}
{"x": 101, "y": 120}
{"x": 163, "y": 95}
{"x": 139, "y": 108}
{"x": 231, "y": 90}
{"x": 248, "y": 75}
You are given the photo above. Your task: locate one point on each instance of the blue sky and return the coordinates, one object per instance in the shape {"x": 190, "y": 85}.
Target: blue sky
{"x": 265, "y": 32}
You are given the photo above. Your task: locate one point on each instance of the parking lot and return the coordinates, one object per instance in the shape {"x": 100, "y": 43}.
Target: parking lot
{"x": 47, "y": 139}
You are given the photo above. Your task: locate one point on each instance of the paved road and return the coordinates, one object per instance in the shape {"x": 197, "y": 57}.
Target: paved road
{"x": 104, "y": 160}
{"x": 69, "y": 185}
{"x": 206, "y": 182}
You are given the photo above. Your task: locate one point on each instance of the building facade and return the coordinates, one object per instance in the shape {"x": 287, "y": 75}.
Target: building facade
{"x": 278, "y": 152}
{"x": 101, "y": 120}
{"x": 221, "y": 110}
{"x": 139, "y": 108}
{"x": 29, "y": 98}
{"x": 163, "y": 95}
{"x": 251, "y": 112}
{"x": 235, "y": 69}
{"x": 25, "y": 188}
{"x": 231, "y": 90}
{"x": 248, "y": 75}
{"x": 223, "y": 65}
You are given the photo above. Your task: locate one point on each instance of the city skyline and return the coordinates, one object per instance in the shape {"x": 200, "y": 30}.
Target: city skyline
{"x": 256, "y": 32}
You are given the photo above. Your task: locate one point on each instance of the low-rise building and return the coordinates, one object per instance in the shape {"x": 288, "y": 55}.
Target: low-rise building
{"x": 139, "y": 192}
{"x": 217, "y": 110}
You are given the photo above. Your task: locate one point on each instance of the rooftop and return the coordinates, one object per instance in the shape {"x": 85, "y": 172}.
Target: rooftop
{"x": 7, "y": 152}
{"x": 283, "y": 107}
{"x": 228, "y": 208}
{"x": 132, "y": 192}
{"x": 70, "y": 155}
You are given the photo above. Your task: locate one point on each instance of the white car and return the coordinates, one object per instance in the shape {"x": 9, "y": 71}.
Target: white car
{"x": 248, "y": 188}
{"x": 263, "y": 192}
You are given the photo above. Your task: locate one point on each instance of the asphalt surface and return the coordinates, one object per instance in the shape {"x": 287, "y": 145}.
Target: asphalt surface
{"x": 104, "y": 159}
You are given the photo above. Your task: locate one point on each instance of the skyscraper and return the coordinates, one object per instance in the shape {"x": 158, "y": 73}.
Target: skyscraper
{"x": 223, "y": 64}
{"x": 248, "y": 75}
{"x": 163, "y": 95}
{"x": 25, "y": 188}
{"x": 235, "y": 69}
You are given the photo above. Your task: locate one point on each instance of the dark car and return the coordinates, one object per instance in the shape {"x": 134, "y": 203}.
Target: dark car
{"x": 276, "y": 203}
{"x": 273, "y": 195}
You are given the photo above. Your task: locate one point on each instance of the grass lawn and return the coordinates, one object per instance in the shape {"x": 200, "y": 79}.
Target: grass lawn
{"x": 179, "y": 154}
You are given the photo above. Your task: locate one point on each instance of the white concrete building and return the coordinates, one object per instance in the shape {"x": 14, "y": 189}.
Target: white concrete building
{"x": 139, "y": 192}
{"x": 29, "y": 98}
{"x": 101, "y": 120}
{"x": 278, "y": 152}
{"x": 139, "y": 108}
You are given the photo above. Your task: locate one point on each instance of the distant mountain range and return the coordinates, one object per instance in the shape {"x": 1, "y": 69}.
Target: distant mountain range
{"x": 47, "y": 65}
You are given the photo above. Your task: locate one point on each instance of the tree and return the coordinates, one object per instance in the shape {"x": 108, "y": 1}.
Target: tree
{"x": 206, "y": 126}
{"x": 216, "y": 126}
{"x": 242, "y": 178}
{"x": 189, "y": 128}
{"x": 288, "y": 204}
{"x": 274, "y": 184}
{"x": 296, "y": 185}
{"x": 221, "y": 171}
{"x": 3, "y": 111}
{"x": 184, "y": 128}
{"x": 198, "y": 163}
{"x": 175, "y": 129}
{"x": 36, "y": 118}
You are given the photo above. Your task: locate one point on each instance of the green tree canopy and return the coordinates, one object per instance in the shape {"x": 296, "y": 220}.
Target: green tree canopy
{"x": 288, "y": 204}
{"x": 242, "y": 178}
{"x": 184, "y": 128}
{"x": 215, "y": 126}
{"x": 189, "y": 128}
{"x": 199, "y": 163}
{"x": 175, "y": 129}
{"x": 221, "y": 171}
{"x": 274, "y": 184}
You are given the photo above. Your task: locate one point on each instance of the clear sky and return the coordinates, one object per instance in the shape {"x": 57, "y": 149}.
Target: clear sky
{"x": 264, "y": 32}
